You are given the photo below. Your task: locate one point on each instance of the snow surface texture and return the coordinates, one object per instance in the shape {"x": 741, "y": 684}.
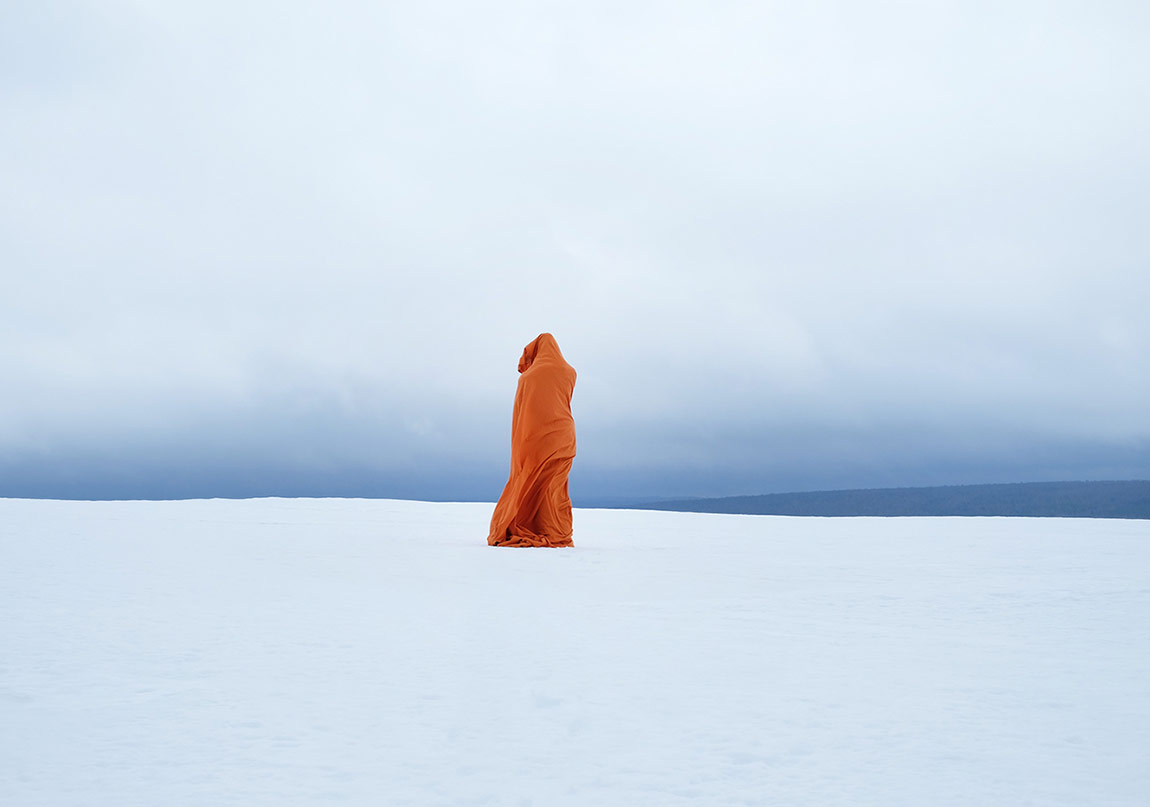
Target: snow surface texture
{"x": 315, "y": 652}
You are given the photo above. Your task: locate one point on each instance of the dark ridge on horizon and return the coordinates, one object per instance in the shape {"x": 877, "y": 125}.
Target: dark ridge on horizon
{"x": 1121, "y": 499}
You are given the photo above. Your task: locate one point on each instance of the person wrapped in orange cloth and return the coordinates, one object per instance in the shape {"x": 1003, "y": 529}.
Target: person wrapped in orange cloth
{"x": 535, "y": 509}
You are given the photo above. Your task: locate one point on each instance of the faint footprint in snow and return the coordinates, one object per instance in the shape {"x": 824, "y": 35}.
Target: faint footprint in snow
{"x": 545, "y": 701}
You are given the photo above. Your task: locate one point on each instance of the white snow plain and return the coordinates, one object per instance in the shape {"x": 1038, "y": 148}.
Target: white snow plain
{"x": 370, "y": 652}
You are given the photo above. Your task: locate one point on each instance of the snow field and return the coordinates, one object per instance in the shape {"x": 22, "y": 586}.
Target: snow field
{"x": 370, "y": 652}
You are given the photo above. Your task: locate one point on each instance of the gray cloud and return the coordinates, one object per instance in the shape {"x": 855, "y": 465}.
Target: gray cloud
{"x": 784, "y": 246}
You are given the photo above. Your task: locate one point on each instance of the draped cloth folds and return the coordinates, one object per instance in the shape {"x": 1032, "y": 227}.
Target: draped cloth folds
{"x": 535, "y": 509}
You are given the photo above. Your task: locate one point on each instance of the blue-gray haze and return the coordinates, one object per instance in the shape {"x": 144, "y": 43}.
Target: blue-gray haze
{"x": 254, "y": 248}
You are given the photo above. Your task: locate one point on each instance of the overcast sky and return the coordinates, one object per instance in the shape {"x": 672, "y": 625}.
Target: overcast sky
{"x": 286, "y": 247}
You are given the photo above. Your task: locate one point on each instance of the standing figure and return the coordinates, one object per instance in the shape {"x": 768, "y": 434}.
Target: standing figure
{"x": 535, "y": 509}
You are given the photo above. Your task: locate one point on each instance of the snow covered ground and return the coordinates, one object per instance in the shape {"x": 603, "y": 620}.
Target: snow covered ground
{"x": 316, "y": 652}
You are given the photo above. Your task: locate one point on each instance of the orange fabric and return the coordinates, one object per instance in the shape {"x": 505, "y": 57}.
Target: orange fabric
{"x": 535, "y": 509}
